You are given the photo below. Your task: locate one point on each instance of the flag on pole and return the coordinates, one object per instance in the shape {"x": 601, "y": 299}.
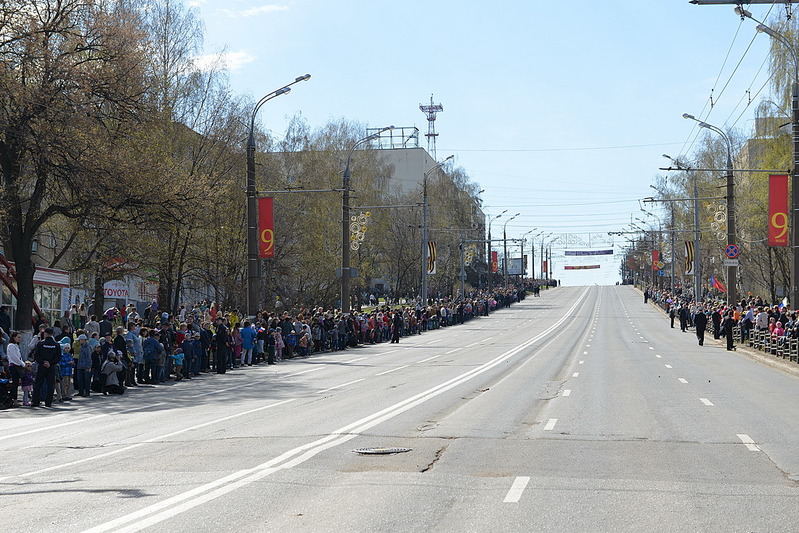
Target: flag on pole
{"x": 689, "y": 258}
{"x": 717, "y": 284}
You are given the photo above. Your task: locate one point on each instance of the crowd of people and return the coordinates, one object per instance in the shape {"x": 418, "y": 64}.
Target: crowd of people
{"x": 82, "y": 354}
{"x": 751, "y": 314}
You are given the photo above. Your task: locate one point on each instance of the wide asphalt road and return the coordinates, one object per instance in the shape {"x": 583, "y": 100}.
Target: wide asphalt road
{"x": 580, "y": 410}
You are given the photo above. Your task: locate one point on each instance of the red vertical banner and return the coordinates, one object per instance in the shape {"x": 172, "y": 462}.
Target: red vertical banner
{"x": 494, "y": 262}
{"x": 778, "y": 210}
{"x": 655, "y": 259}
{"x": 544, "y": 267}
{"x": 266, "y": 228}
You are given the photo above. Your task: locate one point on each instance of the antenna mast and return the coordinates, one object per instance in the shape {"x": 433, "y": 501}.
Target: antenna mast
{"x": 431, "y": 110}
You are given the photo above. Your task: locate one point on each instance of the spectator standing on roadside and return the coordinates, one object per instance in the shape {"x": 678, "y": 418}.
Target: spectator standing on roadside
{"x": 247, "y": 335}
{"x": 47, "y": 355}
{"x": 220, "y": 342}
{"x": 83, "y": 372}
{"x": 700, "y": 323}
{"x": 16, "y": 364}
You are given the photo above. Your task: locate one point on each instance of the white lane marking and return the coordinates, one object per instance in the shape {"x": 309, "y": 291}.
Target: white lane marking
{"x": 585, "y": 353}
{"x": 429, "y": 359}
{"x": 705, "y": 401}
{"x": 659, "y": 356}
{"x": 169, "y": 507}
{"x": 651, "y": 348}
{"x": 488, "y": 338}
{"x": 452, "y": 351}
{"x": 576, "y": 374}
{"x": 581, "y": 362}
{"x": 567, "y": 392}
{"x": 79, "y": 420}
{"x": 142, "y": 443}
{"x": 384, "y": 353}
{"x": 516, "y": 490}
{"x": 393, "y": 369}
{"x": 750, "y": 444}
{"x": 209, "y": 393}
{"x": 304, "y": 372}
{"x": 682, "y": 380}
{"x": 550, "y": 424}
{"x": 354, "y": 360}
{"x": 587, "y": 345}
{"x": 472, "y": 344}
{"x": 668, "y": 366}
{"x": 433, "y": 342}
{"x": 339, "y": 386}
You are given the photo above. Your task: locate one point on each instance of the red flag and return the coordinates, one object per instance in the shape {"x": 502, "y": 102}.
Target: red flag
{"x": 266, "y": 228}
{"x": 717, "y": 284}
{"x": 778, "y": 210}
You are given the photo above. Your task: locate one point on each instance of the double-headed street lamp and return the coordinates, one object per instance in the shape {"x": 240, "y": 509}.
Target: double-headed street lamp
{"x": 544, "y": 270}
{"x": 253, "y": 265}
{"x": 762, "y": 28}
{"x": 732, "y": 270}
{"x": 424, "y": 227}
{"x": 345, "y": 222}
{"x": 505, "y": 248}
{"x": 522, "y": 251}
{"x": 488, "y": 256}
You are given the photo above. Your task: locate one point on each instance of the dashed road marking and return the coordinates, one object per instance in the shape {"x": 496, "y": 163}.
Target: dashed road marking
{"x": 304, "y": 372}
{"x": 453, "y": 351}
{"x": 682, "y": 380}
{"x": 581, "y": 362}
{"x": 750, "y": 444}
{"x": 576, "y": 374}
{"x": 705, "y": 401}
{"x": 393, "y": 369}
{"x": 516, "y": 490}
{"x": 339, "y": 386}
{"x": 659, "y": 356}
{"x": 651, "y": 348}
{"x": 567, "y": 392}
{"x": 550, "y": 424}
{"x": 668, "y": 366}
{"x": 429, "y": 359}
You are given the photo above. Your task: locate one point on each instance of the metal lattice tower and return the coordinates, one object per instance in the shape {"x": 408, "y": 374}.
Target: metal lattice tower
{"x": 431, "y": 110}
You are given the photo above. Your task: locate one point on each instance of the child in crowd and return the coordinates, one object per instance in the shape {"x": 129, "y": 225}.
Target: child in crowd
{"x": 27, "y": 383}
{"x": 177, "y": 359}
{"x": 66, "y": 367}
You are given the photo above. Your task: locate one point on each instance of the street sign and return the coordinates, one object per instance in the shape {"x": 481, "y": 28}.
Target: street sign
{"x": 661, "y": 273}
{"x": 661, "y": 264}
{"x": 732, "y": 251}
{"x": 730, "y": 262}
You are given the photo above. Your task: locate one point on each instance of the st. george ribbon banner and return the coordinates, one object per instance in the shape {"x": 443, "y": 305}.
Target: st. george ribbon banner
{"x": 581, "y": 267}
{"x": 588, "y": 252}
{"x": 778, "y": 210}
{"x": 266, "y": 228}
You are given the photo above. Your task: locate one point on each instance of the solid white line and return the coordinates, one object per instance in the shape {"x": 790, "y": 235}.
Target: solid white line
{"x": 429, "y": 359}
{"x": 142, "y": 443}
{"x": 683, "y": 380}
{"x": 79, "y": 420}
{"x": 305, "y": 372}
{"x": 668, "y": 366}
{"x": 384, "y": 353}
{"x": 576, "y": 374}
{"x": 393, "y": 369}
{"x": 750, "y": 444}
{"x": 705, "y": 401}
{"x": 452, "y": 351}
{"x": 339, "y": 386}
{"x": 567, "y": 392}
{"x": 550, "y": 424}
{"x": 516, "y": 490}
{"x": 433, "y": 342}
{"x": 354, "y": 360}
{"x": 170, "y": 507}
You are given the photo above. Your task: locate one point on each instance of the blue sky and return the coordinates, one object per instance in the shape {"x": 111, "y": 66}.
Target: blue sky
{"x": 560, "y": 110}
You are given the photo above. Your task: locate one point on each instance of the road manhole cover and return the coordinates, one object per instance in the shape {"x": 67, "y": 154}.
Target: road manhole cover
{"x": 380, "y": 451}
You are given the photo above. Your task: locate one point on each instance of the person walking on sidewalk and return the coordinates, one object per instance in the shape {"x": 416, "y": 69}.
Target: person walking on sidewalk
{"x": 727, "y": 326}
{"x": 700, "y": 323}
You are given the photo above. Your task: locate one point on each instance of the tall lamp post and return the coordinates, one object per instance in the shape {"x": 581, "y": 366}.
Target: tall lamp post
{"x": 532, "y": 252}
{"x": 345, "y": 221}
{"x": 762, "y": 28}
{"x": 732, "y": 270}
{"x": 544, "y": 274}
{"x": 524, "y": 271}
{"x": 253, "y": 265}
{"x": 488, "y": 257}
{"x": 505, "y": 249}
{"x": 424, "y": 226}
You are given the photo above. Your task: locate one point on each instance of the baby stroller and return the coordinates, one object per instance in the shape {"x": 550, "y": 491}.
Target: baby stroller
{"x": 6, "y": 401}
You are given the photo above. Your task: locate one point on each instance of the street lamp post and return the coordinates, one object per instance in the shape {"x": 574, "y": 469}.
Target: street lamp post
{"x": 345, "y": 222}
{"x": 732, "y": 270}
{"x": 488, "y": 257}
{"x": 523, "y": 238}
{"x": 544, "y": 274}
{"x": 253, "y": 264}
{"x": 424, "y": 227}
{"x": 505, "y": 249}
{"x": 794, "y": 292}
{"x": 532, "y": 252}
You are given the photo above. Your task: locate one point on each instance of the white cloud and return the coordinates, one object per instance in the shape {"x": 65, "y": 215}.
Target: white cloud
{"x": 225, "y": 60}
{"x": 255, "y": 11}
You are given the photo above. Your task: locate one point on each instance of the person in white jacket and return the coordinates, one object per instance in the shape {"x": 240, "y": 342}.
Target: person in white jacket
{"x": 15, "y": 363}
